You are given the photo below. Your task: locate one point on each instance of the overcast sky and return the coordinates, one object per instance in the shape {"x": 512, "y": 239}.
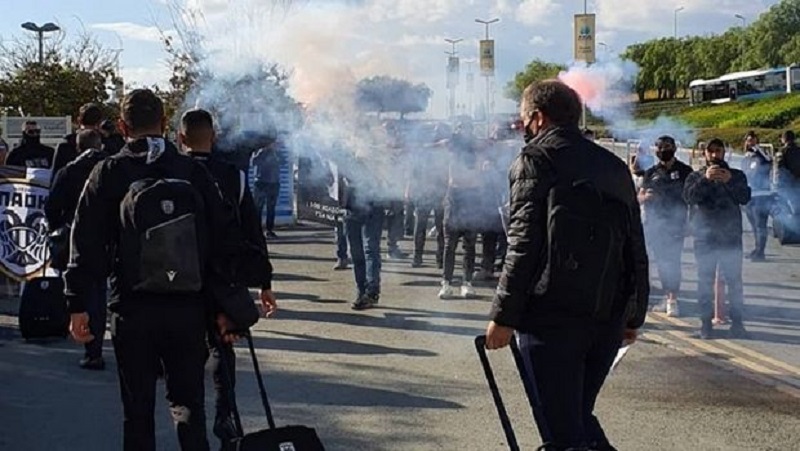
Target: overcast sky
{"x": 397, "y": 37}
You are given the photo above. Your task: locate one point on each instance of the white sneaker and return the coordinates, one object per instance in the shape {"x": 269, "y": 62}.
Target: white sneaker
{"x": 672, "y": 308}
{"x": 661, "y": 307}
{"x": 446, "y": 292}
{"x": 466, "y": 290}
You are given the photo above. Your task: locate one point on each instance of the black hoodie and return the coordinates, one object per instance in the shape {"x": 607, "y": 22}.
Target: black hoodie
{"x": 31, "y": 153}
{"x": 96, "y": 228}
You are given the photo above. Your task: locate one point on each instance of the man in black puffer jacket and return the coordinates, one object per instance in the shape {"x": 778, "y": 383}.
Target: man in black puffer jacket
{"x": 60, "y": 211}
{"x": 565, "y": 342}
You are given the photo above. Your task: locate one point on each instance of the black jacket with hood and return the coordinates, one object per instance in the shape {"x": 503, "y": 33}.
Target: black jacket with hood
{"x": 716, "y": 207}
{"x": 257, "y": 270}
{"x": 531, "y": 177}
{"x": 96, "y": 228}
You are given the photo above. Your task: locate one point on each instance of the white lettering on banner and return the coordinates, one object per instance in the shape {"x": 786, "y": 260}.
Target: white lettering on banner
{"x": 23, "y": 228}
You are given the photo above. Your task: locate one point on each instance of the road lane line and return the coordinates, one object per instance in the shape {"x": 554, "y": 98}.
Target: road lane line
{"x": 737, "y": 347}
{"x": 723, "y": 364}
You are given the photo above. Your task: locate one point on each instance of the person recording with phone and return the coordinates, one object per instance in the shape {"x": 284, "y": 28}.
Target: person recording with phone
{"x": 716, "y": 193}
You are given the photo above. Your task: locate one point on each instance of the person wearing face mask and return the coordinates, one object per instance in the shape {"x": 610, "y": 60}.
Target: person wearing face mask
{"x": 757, "y": 167}
{"x": 31, "y": 153}
{"x": 661, "y": 194}
{"x": 716, "y": 193}
{"x": 571, "y": 311}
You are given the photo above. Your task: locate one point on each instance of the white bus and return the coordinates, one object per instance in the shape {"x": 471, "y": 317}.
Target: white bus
{"x": 754, "y": 84}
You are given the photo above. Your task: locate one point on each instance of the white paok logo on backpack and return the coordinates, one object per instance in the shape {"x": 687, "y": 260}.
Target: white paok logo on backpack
{"x": 161, "y": 235}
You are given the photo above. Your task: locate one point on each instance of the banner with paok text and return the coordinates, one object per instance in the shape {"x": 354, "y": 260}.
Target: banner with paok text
{"x": 23, "y": 227}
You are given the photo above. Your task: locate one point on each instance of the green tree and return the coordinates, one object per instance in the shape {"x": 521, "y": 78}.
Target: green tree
{"x": 536, "y": 70}
{"x": 72, "y": 73}
{"x": 383, "y": 94}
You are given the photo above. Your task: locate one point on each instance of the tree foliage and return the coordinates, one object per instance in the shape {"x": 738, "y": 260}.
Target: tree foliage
{"x": 384, "y": 94}
{"x": 537, "y": 70}
{"x": 668, "y": 65}
{"x": 73, "y": 72}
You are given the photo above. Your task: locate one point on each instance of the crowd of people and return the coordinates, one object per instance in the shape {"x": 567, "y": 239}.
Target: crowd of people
{"x": 567, "y": 230}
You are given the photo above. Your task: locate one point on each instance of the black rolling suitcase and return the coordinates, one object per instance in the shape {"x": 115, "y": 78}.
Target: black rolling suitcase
{"x": 43, "y": 308}
{"x": 285, "y": 438}
{"x": 528, "y": 382}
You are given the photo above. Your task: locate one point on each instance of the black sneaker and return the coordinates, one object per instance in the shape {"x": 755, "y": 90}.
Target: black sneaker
{"x": 439, "y": 264}
{"x": 340, "y": 265}
{"x": 738, "y": 331}
{"x": 396, "y": 254}
{"x": 706, "y": 330}
{"x": 92, "y": 363}
{"x": 271, "y": 235}
{"x": 758, "y": 258}
{"x": 365, "y": 302}
{"x": 417, "y": 263}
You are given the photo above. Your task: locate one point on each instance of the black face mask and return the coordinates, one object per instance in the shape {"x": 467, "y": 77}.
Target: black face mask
{"x": 529, "y": 134}
{"x": 665, "y": 155}
{"x": 31, "y": 138}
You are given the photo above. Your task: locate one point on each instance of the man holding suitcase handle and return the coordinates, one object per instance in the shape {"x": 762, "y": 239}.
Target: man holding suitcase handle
{"x": 575, "y": 281}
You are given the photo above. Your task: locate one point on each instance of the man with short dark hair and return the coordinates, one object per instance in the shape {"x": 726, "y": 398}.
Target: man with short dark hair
{"x": 267, "y": 182}
{"x": 65, "y": 191}
{"x": 171, "y": 236}
{"x": 90, "y": 116}
{"x": 716, "y": 194}
{"x": 31, "y": 153}
{"x": 571, "y": 310}
{"x": 197, "y": 137}
{"x": 757, "y": 168}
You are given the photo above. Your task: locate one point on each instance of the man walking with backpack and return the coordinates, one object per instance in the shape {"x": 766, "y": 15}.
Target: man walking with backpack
{"x": 575, "y": 282}
{"x": 197, "y": 136}
{"x": 156, "y": 222}
{"x": 60, "y": 210}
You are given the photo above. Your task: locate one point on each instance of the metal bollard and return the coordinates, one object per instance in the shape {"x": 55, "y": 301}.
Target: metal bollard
{"x": 720, "y": 313}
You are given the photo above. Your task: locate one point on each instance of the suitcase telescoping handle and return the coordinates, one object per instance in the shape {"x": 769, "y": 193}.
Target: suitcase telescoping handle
{"x": 511, "y": 438}
{"x": 529, "y": 383}
{"x": 262, "y": 390}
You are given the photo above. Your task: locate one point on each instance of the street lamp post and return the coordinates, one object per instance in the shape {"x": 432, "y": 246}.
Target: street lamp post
{"x": 741, "y": 44}
{"x": 40, "y": 31}
{"x": 489, "y": 107}
{"x": 454, "y": 82}
{"x": 675, "y": 29}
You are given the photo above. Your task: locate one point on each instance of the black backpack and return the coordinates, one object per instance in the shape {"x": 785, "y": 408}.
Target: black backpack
{"x": 583, "y": 261}
{"x": 162, "y": 232}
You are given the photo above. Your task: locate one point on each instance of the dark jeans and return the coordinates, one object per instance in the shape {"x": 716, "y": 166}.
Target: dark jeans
{"x": 267, "y": 195}
{"x": 570, "y": 365}
{"x": 341, "y": 241}
{"x": 666, "y": 250}
{"x": 489, "y": 248}
{"x": 394, "y": 225}
{"x": 422, "y": 215}
{"x": 145, "y": 336}
{"x": 97, "y": 309}
{"x": 728, "y": 258}
{"x": 758, "y": 215}
{"x": 363, "y": 230}
{"x": 451, "y": 237}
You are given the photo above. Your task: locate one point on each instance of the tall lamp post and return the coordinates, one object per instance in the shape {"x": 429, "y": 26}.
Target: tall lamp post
{"x": 675, "y": 28}
{"x": 40, "y": 31}
{"x": 741, "y": 44}
{"x": 452, "y": 74}
{"x": 489, "y": 107}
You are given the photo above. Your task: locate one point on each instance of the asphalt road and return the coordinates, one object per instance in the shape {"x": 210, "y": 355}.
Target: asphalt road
{"x": 405, "y": 376}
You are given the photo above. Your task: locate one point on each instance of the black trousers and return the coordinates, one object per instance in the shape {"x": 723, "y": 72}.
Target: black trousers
{"x": 422, "y": 216}
{"x": 144, "y": 336}
{"x": 728, "y": 258}
{"x": 489, "y": 248}
{"x": 570, "y": 365}
{"x": 665, "y": 250}
{"x": 224, "y": 375}
{"x": 451, "y": 238}
{"x": 267, "y": 196}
